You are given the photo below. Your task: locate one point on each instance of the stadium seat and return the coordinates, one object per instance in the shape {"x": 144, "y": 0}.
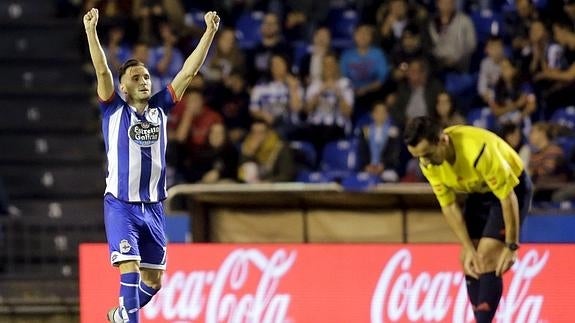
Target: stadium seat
{"x": 487, "y": 23}
{"x": 481, "y": 117}
{"x": 306, "y": 176}
{"x": 50, "y": 148}
{"x": 304, "y": 153}
{"x": 340, "y": 158}
{"x": 360, "y": 181}
{"x": 195, "y": 18}
{"x": 342, "y": 23}
{"x": 50, "y": 182}
{"x": 48, "y": 114}
{"x": 248, "y": 29}
{"x": 459, "y": 84}
{"x": 565, "y": 117}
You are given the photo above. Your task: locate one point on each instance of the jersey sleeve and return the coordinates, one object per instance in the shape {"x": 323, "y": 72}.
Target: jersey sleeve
{"x": 445, "y": 195}
{"x": 109, "y": 105}
{"x": 165, "y": 99}
{"x": 496, "y": 171}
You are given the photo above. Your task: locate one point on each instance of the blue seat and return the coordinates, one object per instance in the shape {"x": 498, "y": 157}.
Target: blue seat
{"x": 341, "y": 157}
{"x": 248, "y": 29}
{"x": 481, "y": 117}
{"x": 305, "y": 155}
{"x": 458, "y": 84}
{"x": 195, "y": 18}
{"x": 487, "y": 23}
{"x": 305, "y": 176}
{"x": 342, "y": 23}
{"x": 565, "y": 117}
{"x": 360, "y": 181}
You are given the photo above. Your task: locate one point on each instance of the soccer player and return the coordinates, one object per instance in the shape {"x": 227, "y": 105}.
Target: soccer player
{"x": 475, "y": 161}
{"x": 134, "y": 132}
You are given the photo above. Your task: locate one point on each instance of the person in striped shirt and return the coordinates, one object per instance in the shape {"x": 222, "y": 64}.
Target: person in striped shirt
{"x": 134, "y": 132}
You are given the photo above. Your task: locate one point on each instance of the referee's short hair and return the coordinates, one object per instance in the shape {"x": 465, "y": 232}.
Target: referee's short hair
{"x": 420, "y": 128}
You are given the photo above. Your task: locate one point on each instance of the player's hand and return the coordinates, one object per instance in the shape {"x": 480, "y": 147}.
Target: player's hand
{"x": 91, "y": 19}
{"x": 212, "y": 20}
{"x": 506, "y": 260}
{"x": 470, "y": 264}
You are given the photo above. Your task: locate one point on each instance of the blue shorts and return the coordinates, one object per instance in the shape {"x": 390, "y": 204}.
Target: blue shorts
{"x": 135, "y": 231}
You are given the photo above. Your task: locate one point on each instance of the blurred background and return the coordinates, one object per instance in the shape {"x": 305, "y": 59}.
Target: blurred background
{"x": 309, "y": 95}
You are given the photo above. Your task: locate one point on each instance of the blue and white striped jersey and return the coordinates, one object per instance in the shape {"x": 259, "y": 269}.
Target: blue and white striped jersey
{"x": 136, "y": 147}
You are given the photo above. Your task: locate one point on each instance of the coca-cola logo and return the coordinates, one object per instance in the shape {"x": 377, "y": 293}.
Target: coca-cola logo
{"x": 225, "y": 294}
{"x": 402, "y": 295}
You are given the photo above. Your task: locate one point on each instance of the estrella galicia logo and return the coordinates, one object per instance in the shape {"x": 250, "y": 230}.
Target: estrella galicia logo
{"x": 144, "y": 133}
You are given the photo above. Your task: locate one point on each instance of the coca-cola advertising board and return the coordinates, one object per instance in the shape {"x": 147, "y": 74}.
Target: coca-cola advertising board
{"x": 332, "y": 283}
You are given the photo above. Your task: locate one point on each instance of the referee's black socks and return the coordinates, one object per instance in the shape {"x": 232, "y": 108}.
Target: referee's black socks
{"x": 490, "y": 290}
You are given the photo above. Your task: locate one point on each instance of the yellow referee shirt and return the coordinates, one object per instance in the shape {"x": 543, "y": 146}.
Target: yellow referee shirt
{"x": 483, "y": 162}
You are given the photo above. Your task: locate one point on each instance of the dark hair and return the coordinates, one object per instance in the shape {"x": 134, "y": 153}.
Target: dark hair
{"x": 421, "y": 128}
{"x": 127, "y": 64}
{"x": 495, "y": 39}
{"x": 507, "y": 129}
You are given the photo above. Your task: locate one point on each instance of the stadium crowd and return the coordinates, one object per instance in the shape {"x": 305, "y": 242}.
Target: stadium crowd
{"x": 318, "y": 91}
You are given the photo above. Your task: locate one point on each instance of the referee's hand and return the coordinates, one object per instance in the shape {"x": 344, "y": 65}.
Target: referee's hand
{"x": 506, "y": 260}
{"x": 91, "y": 19}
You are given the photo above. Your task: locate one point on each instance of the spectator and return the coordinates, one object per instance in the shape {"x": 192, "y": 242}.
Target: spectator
{"x": 417, "y": 95}
{"x": 513, "y": 99}
{"x": 547, "y": 162}
{"x": 446, "y": 112}
{"x": 410, "y": 47}
{"x": 232, "y": 103}
{"x": 149, "y": 14}
{"x": 265, "y": 157}
{"x": 166, "y": 59}
{"x": 542, "y": 53}
{"x": 225, "y": 58}
{"x": 557, "y": 84}
{"x": 142, "y": 52}
{"x": 311, "y": 64}
{"x": 217, "y": 161}
{"x": 518, "y": 23}
{"x": 329, "y": 104}
{"x": 366, "y": 67}
{"x": 117, "y": 51}
{"x": 489, "y": 70}
{"x": 280, "y": 101}
{"x": 512, "y": 134}
{"x": 380, "y": 145}
{"x": 272, "y": 42}
{"x": 190, "y": 123}
{"x": 453, "y": 37}
{"x": 392, "y": 18}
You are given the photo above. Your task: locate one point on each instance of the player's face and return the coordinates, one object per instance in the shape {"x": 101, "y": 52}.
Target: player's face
{"x": 136, "y": 83}
{"x": 428, "y": 153}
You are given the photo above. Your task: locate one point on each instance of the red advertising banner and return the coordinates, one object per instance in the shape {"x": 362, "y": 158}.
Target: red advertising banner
{"x": 332, "y": 283}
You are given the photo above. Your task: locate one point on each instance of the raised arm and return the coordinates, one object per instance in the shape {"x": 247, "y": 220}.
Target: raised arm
{"x": 103, "y": 73}
{"x": 196, "y": 59}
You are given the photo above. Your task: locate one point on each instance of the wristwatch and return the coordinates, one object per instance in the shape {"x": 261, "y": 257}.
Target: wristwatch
{"x": 512, "y": 246}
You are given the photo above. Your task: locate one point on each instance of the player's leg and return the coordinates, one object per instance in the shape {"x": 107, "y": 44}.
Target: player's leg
{"x": 492, "y": 245}
{"x": 150, "y": 284}
{"x": 153, "y": 251}
{"x": 122, "y": 232}
{"x": 474, "y": 214}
